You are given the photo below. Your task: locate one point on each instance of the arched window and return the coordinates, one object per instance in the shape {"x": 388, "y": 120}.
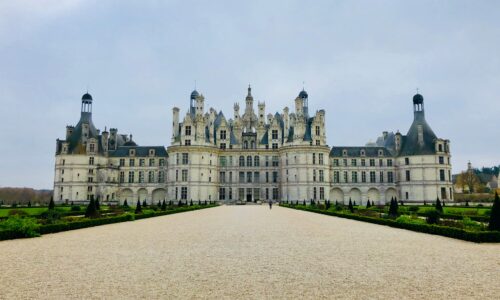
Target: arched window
{"x": 245, "y": 145}
{"x": 256, "y": 161}
{"x": 249, "y": 161}
{"x": 242, "y": 161}
{"x": 253, "y": 145}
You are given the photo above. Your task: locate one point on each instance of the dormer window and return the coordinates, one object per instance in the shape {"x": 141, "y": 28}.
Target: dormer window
{"x": 151, "y": 152}
{"x": 362, "y": 152}
{"x": 131, "y": 152}
{"x": 440, "y": 147}
{"x": 344, "y": 152}
{"x": 380, "y": 153}
{"x": 188, "y": 130}
{"x": 222, "y": 134}
{"x": 92, "y": 147}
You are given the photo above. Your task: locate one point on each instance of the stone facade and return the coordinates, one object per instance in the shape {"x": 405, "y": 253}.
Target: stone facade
{"x": 252, "y": 157}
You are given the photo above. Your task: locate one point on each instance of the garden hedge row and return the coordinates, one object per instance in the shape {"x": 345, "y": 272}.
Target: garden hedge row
{"x": 472, "y": 236}
{"x": 53, "y": 228}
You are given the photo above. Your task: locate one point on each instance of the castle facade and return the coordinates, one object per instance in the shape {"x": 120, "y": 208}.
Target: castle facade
{"x": 251, "y": 157}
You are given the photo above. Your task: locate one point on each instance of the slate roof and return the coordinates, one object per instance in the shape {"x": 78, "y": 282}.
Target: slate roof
{"x": 411, "y": 146}
{"x": 356, "y": 151}
{"x": 140, "y": 151}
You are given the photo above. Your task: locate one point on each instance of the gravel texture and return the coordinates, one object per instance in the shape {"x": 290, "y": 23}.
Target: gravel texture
{"x": 247, "y": 252}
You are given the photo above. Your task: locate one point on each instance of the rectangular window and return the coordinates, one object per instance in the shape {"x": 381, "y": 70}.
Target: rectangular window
{"x": 122, "y": 177}
{"x": 131, "y": 162}
{"x": 381, "y": 176}
{"x": 151, "y": 177}
{"x": 185, "y": 158}
{"x": 275, "y": 161}
{"x": 275, "y": 176}
{"x": 242, "y": 177}
{"x": 407, "y": 160}
{"x": 222, "y": 193}
{"x": 256, "y": 177}
{"x": 372, "y": 177}
{"x": 317, "y": 130}
{"x": 336, "y": 177}
{"x": 131, "y": 177}
{"x": 151, "y": 162}
{"x": 353, "y": 162}
{"x": 256, "y": 194}
{"x": 162, "y": 162}
{"x": 372, "y": 162}
{"x": 161, "y": 177}
{"x": 320, "y": 159}
{"x": 443, "y": 193}
{"x": 389, "y": 162}
{"x": 92, "y": 147}
{"x": 222, "y": 134}
{"x": 184, "y": 175}
{"x": 345, "y": 177}
{"x": 441, "y": 175}
{"x": 187, "y": 143}
{"x": 122, "y": 162}
{"x": 223, "y": 146}
{"x": 363, "y": 176}
{"x": 141, "y": 162}
{"x": 249, "y": 176}
{"x": 441, "y": 160}
{"x": 363, "y": 162}
{"x": 314, "y": 158}
{"x": 380, "y": 162}
{"x": 314, "y": 193}
{"x": 318, "y": 143}
{"x": 335, "y": 162}
{"x": 344, "y": 162}
{"x": 141, "y": 176}
{"x": 354, "y": 176}
{"x": 321, "y": 175}
{"x": 390, "y": 177}
{"x": 275, "y": 146}
{"x": 267, "y": 176}
{"x": 188, "y": 130}
{"x": 230, "y": 178}
{"x": 275, "y": 134}
{"x": 91, "y": 160}
{"x": 184, "y": 193}
{"x": 321, "y": 193}
{"x": 256, "y": 161}
{"x": 408, "y": 175}
{"x": 275, "y": 193}
{"x": 176, "y": 175}
{"x": 222, "y": 161}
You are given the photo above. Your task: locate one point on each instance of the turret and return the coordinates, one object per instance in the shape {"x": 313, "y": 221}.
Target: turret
{"x": 397, "y": 141}
{"x": 113, "y": 132}
{"x": 200, "y": 101}
{"x": 175, "y": 122}
{"x": 418, "y": 106}
{"x": 236, "y": 111}
{"x": 262, "y": 113}
{"x": 104, "y": 140}
{"x": 69, "y": 131}
{"x": 249, "y": 101}
{"x": 192, "y": 102}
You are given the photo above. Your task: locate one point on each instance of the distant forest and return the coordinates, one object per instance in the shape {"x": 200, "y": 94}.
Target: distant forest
{"x": 9, "y": 195}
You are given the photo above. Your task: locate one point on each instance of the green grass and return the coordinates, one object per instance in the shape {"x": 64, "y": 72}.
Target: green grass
{"x": 34, "y": 211}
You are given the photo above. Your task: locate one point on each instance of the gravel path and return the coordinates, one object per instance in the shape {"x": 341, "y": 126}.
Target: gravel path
{"x": 247, "y": 252}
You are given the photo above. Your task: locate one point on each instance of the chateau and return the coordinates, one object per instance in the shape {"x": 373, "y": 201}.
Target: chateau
{"x": 251, "y": 157}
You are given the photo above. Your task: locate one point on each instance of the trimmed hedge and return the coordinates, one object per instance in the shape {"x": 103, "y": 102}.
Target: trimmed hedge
{"x": 53, "y": 228}
{"x": 472, "y": 236}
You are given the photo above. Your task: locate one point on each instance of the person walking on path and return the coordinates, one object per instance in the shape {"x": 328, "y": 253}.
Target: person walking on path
{"x": 270, "y": 204}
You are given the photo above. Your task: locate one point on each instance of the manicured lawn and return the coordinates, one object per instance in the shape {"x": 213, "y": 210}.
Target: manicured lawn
{"x": 32, "y": 211}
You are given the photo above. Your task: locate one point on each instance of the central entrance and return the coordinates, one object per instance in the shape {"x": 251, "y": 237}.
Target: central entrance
{"x": 249, "y": 197}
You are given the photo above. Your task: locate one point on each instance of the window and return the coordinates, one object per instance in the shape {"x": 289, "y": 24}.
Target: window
{"x": 256, "y": 161}
{"x": 141, "y": 162}
{"x": 230, "y": 176}
{"x": 407, "y": 161}
{"x": 314, "y": 158}
{"x": 249, "y": 161}
{"x": 89, "y": 179}
{"x": 222, "y": 193}
{"x": 151, "y": 162}
{"x": 390, "y": 177}
{"x": 131, "y": 162}
{"x": 320, "y": 159}
{"x": 92, "y": 147}
{"x": 443, "y": 193}
{"x": 122, "y": 177}
{"x": 321, "y": 193}
{"x": 242, "y": 177}
{"x": 223, "y": 146}
{"x": 151, "y": 176}
{"x": 344, "y": 161}
{"x": 141, "y": 176}
{"x": 275, "y": 161}
{"x": 389, "y": 162}
{"x": 188, "y": 130}
{"x": 184, "y": 176}
{"x": 222, "y": 177}
{"x": 187, "y": 143}
{"x": 345, "y": 176}
{"x": 380, "y": 162}
{"x": 275, "y": 134}
{"x": 381, "y": 176}
{"x": 321, "y": 176}
{"x": 440, "y": 147}
{"x": 184, "y": 193}
{"x": 275, "y": 193}
{"x": 363, "y": 162}
{"x": 335, "y": 162}
{"x": 267, "y": 176}
{"x": 256, "y": 177}
{"x": 408, "y": 175}
{"x": 245, "y": 145}
{"x": 230, "y": 194}
{"x": 176, "y": 175}
{"x": 275, "y": 146}
{"x": 249, "y": 176}
{"x": 177, "y": 158}
{"x": 314, "y": 175}
{"x": 314, "y": 193}
{"x": 130, "y": 177}
{"x": 318, "y": 143}
{"x": 275, "y": 176}
{"x": 63, "y": 162}
{"x": 441, "y": 160}
{"x": 372, "y": 177}
{"x": 353, "y": 162}
{"x": 161, "y": 177}
{"x": 230, "y": 161}
{"x": 242, "y": 161}
{"x": 222, "y": 161}
{"x": 185, "y": 158}
{"x": 406, "y": 195}
{"x": 441, "y": 175}
{"x": 363, "y": 176}
{"x": 317, "y": 130}
{"x": 91, "y": 160}
{"x": 336, "y": 177}
{"x": 222, "y": 134}
{"x": 372, "y": 162}
{"x": 354, "y": 176}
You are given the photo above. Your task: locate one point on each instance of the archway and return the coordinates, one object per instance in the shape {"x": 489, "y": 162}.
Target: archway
{"x": 142, "y": 194}
{"x": 390, "y": 193}
{"x": 336, "y": 194}
{"x": 374, "y": 195}
{"x": 355, "y": 195}
{"x": 126, "y": 194}
{"x": 159, "y": 195}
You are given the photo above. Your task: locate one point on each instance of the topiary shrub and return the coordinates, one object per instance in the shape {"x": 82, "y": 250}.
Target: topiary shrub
{"x": 494, "y": 223}
{"x": 432, "y": 217}
{"x": 138, "y": 207}
{"x": 439, "y": 207}
{"x": 91, "y": 211}
{"x": 51, "y": 203}
{"x": 350, "y": 206}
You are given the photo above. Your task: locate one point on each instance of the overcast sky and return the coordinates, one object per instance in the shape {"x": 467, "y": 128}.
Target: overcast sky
{"x": 361, "y": 61}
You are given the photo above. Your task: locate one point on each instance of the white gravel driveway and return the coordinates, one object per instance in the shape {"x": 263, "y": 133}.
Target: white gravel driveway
{"x": 247, "y": 252}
